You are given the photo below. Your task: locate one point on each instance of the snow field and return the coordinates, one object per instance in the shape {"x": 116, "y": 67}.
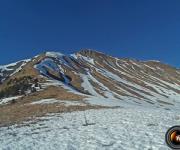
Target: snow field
{"x": 109, "y": 129}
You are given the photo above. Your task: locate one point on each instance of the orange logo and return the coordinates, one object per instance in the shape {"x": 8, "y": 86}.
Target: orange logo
{"x": 173, "y": 137}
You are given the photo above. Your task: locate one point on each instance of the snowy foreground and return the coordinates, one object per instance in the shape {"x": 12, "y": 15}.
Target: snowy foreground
{"x": 116, "y": 129}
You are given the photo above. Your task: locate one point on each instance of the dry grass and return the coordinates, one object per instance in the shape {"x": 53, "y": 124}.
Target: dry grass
{"x": 51, "y": 92}
{"x": 17, "y": 113}
{"x": 22, "y": 109}
{"x": 28, "y": 70}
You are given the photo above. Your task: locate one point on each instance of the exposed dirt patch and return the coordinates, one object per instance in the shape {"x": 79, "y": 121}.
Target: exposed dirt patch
{"x": 17, "y": 113}
{"x": 52, "y": 92}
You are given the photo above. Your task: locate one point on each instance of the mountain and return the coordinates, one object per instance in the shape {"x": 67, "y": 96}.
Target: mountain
{"x": 84, "y": 80}
{"x": 87, "y": 100}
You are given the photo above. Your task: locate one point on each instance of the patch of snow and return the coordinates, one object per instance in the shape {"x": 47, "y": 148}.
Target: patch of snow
{"x": 45, "y": 101}
{"x": 19, "y": 68}
{"x": 36, "y": 56}
{"x": 178, "y": 72}
{"x": 9, "y": 99}
{"x": 8, "y": 67}
{"x": 54, "y": 54}
{"x": 149, "y": 67}
{"x": 174, "y": 86}
{"x": 61, "y": 69}
{"x": 87, "y": 59}
{"x": 50, "y": 64}
{"x": 72, "y": 103}
{"x": 107, "y": 92}
{"x": 160, "y": 69}
{"x": 87, "y": 85}
{"x": 136, "y": 64}
{"x": 64, "y": 102}
{"x": 74, "y": 56}
{"x": 152, "y": 61}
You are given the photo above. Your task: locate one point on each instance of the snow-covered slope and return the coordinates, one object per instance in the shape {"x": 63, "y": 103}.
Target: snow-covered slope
{"x": 10, "y": 69}
{"x": 112, "y": 103}
{"x": 103, "y": 76}
{"x": 108, "y": 129}
{"x": 95, "y": 74}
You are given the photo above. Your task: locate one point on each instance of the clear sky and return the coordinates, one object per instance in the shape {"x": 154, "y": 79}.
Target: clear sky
{"x": 140, "y": 29}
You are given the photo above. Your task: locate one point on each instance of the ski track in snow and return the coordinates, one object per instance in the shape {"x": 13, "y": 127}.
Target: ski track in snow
{"x": 111, "y": 129}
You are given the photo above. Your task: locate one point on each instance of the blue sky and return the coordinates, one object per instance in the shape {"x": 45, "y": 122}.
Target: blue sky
{"x": 140, "y": 29}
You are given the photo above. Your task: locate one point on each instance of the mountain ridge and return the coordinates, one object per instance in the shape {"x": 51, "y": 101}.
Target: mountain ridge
{"x": 92, "y": 51}
{"x": 84, "y": 54}
{"x": 92, "y": 78}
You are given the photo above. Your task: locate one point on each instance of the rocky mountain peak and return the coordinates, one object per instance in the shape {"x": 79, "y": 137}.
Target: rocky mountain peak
{"x": 91, "y": 53}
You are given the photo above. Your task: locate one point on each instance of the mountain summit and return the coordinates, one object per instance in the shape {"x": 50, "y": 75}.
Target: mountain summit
{"x": 90, "y": 79}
